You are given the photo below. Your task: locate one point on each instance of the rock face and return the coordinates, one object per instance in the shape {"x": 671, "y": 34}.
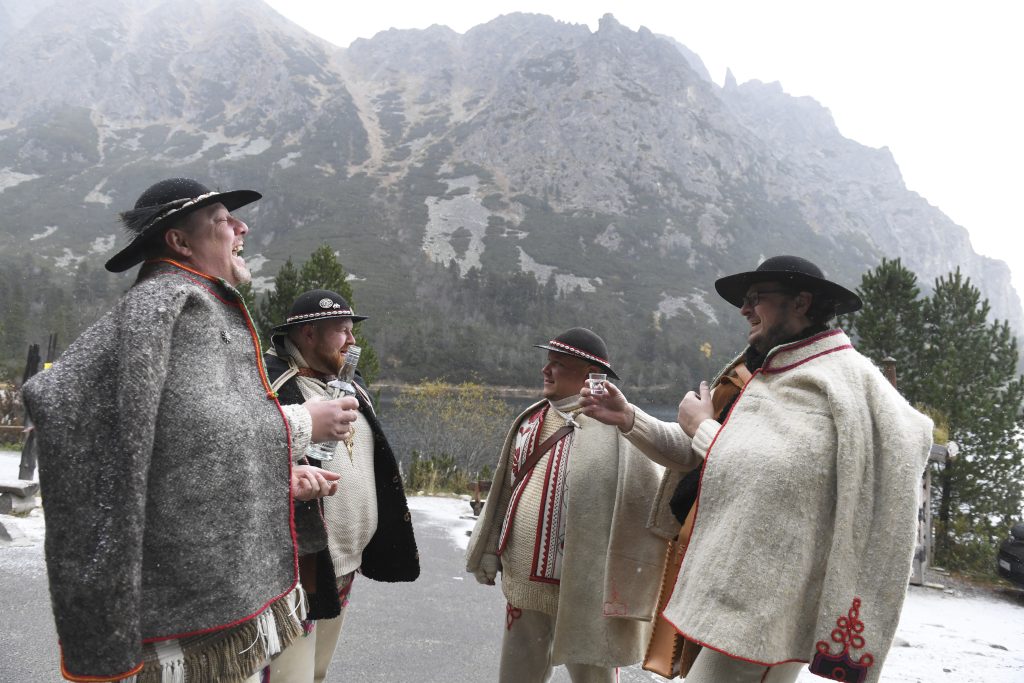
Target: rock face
{"x": 602, "y": 160}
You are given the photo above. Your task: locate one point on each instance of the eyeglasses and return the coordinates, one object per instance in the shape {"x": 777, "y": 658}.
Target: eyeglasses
{"x": 754, "y": 298}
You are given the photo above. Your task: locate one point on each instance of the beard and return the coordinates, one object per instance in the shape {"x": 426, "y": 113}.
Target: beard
{"x": 240, "y": 272}
{"x": 330, "y": 359}
{"x": 772, "y": 337}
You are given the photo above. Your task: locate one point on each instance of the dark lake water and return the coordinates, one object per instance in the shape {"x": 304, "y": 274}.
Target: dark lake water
{"x": 406, "y": 432}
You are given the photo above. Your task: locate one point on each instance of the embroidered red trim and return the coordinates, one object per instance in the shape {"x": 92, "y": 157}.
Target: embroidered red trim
{"x": 510, "y": 513}
{"x": 772, "y": 371}
{"x": 344, "y": 593}
{"x": 719, "y": 650}
{"x": 539, "y": 564}
{"x": 93, "y": 679}
{"x": 841, "y": 666}
{"x": 511, "y": 614}
{"x": 767, "y": 367}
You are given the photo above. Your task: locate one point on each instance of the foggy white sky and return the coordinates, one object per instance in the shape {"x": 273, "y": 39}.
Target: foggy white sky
{"x": 937, "y": 82}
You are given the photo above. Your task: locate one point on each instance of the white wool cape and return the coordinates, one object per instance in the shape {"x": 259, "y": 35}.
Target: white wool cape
{"x": 616, "y": 532}
{"x": 807, "y": 509}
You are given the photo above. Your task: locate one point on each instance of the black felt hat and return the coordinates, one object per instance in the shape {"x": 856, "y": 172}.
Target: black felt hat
{"x": 582, "y": 343}
{"x": 167, "y": 199}
{"x": 791, "y": 271}
{"x": 314, "y": 305}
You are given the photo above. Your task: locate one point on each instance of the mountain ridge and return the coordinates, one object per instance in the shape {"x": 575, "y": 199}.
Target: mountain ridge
{"x": 602, "y": 161}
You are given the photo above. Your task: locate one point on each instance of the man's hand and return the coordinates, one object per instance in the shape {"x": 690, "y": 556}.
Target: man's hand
{"x": 694, "y": 409}
{"x": 309, "y": 482}
{"x": 488, "y": 569}
{"x": 332, "y": 420}
{"x": 611, "y": 407}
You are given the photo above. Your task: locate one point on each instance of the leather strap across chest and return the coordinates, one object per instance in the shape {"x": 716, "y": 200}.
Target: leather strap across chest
{"x": 539, "y": 451}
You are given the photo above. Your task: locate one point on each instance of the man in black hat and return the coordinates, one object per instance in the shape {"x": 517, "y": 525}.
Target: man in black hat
{"x": 572, "y": 522}
{"x": 367, "y": 525}
{"x": 804, "y": 515}
{"x": 165, "y": 461}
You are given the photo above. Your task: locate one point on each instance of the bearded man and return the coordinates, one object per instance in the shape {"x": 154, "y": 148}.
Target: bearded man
{"x": 575, "y": 525}
{"x": 367, "y": 526}
{"x": 165, "y": 461}
{"x": 805, "y": 512}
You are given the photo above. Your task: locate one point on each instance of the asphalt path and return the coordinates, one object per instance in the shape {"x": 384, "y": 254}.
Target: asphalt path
{"x": 443, "y": 627}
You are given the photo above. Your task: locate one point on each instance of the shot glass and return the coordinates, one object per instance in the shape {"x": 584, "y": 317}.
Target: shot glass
{"x": 596, "y": 382}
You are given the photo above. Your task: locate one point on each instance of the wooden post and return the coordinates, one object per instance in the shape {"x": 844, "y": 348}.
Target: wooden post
{"x": 924, "y": 509}
{"x": 889, "y": 369}
{"x": 476, "y": 503}
{"x": 29, "y": 452}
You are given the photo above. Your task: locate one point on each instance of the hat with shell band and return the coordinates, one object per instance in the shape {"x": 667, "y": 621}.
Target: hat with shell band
{"x": 163, "y": 203}
{"x": 314, "y": 305}
{"x": 582, "y": 343}
{"x": 793, "y": 272}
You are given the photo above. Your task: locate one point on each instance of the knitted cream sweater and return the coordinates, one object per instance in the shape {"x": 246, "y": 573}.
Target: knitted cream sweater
{"x": 517, "y": 557}
{"x": 351, "y": 513}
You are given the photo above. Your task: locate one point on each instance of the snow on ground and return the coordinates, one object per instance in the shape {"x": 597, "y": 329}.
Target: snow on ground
{"x": 950, "y": 637}
{"x": 26, "y": 531}
{"x": 452, "y": 514}
{"x": 943, "y": 636}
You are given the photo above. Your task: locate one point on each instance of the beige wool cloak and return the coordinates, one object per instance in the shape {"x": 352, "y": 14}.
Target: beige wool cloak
{"x": 807, "y": 513}
{"x": 615, "y": 539}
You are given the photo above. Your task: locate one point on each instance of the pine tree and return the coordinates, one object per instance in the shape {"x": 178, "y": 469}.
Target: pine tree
{"x": 274, "y": 307}
{"x": 322, "y": 270}
{"x": 890, "y": 324}
{"x": 972, "y": 381}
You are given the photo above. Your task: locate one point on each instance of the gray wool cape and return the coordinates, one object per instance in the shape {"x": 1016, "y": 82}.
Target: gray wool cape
{"x": 164, "y": 467}
{"x": 616, "y": 536}
{"x": 806, "y": 516}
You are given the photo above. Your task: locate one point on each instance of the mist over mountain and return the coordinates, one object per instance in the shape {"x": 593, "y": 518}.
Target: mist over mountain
{"x": 450, "y": 170}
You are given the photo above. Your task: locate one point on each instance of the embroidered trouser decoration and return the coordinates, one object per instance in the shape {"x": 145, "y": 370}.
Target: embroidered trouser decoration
{"x": 511, "y": 614}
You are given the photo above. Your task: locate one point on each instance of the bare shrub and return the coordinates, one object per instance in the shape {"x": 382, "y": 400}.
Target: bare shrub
{"x": 452, "y": 431}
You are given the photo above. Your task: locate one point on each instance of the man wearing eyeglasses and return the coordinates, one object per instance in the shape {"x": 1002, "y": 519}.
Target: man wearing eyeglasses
{"x": 804, "y": 510}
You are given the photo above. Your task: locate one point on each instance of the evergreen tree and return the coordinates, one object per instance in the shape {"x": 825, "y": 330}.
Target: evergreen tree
{"x": 322, "y": 270}
{"x": 890, "y": 324}
{"x": 15, "y": 314}
{"x": 971, "y": 379}
{"x": 274, "y": 307}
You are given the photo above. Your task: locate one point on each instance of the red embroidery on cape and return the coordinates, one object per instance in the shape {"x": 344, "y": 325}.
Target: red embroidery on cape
{"x": 614, "y": 607}
{"x": 841, "y": 666}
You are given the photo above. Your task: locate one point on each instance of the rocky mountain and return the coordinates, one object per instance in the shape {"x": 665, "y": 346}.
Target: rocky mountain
{"x": 605, "y": 164}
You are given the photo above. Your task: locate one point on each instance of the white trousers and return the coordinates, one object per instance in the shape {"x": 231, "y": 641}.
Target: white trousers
{"x": 306, "y": 660}
{"x": 714, "y": 667}
{"x": 526, "y": 654}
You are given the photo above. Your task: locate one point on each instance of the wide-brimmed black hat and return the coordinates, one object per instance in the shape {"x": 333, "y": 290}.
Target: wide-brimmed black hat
{"x": 582, "y": 343}
{"x": 167, "y": 199}
{"x": 314, "y": 305}
{"x": 790, "y": 271}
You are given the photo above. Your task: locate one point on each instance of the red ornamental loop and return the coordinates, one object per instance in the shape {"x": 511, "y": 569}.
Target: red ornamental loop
{"x": 841, "y": 666}
{"x": 511, "y": 614}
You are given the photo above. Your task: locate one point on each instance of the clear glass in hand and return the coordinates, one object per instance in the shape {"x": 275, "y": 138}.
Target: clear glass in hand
{"x": 325, "y": 450}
